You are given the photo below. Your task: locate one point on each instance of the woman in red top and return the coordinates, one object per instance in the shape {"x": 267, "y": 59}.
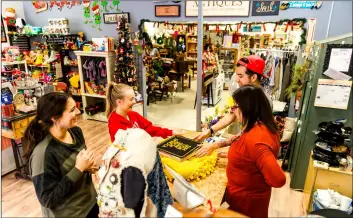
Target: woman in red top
{"x": 120, "y": 100}
{"x": 252, "y": 164}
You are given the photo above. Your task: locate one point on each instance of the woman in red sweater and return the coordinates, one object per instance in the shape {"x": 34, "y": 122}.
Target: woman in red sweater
{"x": 120, "y": 100}
{"x": 252, "y": 164}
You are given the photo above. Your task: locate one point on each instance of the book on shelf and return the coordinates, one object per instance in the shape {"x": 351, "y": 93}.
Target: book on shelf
{"x": 178, "y": 148}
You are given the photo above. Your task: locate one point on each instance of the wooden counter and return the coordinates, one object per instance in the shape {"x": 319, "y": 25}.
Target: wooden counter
{"x": 331, "y": 178}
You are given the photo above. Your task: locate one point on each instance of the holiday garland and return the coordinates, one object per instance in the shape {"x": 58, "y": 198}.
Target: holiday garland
{"x": 290, "y": 22}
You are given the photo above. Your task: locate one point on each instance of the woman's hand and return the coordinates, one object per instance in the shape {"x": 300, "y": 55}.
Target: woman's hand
{"x": 204, "y": 135}
{"x": 206, "y": 149}
{"x": 84, "y": 160}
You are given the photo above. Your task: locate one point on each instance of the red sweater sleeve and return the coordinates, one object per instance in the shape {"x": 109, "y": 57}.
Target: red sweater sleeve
{"x": 268, "y": 165}
{"x": 153, "y": 130}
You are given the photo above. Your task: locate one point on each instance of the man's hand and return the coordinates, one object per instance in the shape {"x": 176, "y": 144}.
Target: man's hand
{"x": 206, "y": 149}
{"x": 204, "y": 135}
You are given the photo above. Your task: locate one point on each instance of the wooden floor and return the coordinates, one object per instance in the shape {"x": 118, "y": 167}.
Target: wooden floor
{"x": 19, "y": 198}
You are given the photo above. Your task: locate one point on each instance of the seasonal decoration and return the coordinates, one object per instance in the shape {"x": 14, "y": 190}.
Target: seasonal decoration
{"x": 97, "y": 17}
{"x": 115, "y": 5}
{"x": 40, "y": 6}
{"x": 300, "y": 22}
{"x": 104, "y": 4}
{"x": 86, "y": 11}
{"x": 125, "y": 71}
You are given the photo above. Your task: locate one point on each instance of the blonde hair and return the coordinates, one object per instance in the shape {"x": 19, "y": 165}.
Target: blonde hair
{"x": 114, "y": 92}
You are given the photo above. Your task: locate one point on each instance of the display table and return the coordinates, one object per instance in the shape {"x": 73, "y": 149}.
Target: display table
{"x": 332, "y": 178}
{"x": 18, "y": 124}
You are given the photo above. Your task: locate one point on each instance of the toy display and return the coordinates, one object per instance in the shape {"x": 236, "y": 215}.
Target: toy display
{"x": 20, "y": 24}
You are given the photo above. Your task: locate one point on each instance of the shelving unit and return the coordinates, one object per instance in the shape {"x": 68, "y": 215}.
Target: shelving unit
{"x": 227, "y": 58}
{"x": 89, "y": 99}
{"x": 191, "y": 46}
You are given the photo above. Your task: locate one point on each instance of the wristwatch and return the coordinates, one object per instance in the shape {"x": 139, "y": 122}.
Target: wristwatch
{"x": 211, "y": 130}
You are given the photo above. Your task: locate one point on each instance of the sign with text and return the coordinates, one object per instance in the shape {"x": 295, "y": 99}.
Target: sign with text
{"x": 218, "y": 8}
{"x": 301, "y": 4}
{"x": 113, "y": 18}
{"x": 265, "y": 8}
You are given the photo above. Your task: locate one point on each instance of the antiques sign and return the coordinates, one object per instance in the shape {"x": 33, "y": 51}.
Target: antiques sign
{"x": 265, "y": 8}
{"x": 218, "y": 8}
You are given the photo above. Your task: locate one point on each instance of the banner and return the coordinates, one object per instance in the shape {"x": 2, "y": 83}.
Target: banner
{"x": 218, "y": 8}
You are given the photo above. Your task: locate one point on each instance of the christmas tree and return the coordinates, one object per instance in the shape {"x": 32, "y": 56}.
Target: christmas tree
{"x": 125, "y": 70}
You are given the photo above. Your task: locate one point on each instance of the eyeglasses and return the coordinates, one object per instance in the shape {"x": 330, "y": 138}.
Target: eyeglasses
{"x": 234, "y": 107}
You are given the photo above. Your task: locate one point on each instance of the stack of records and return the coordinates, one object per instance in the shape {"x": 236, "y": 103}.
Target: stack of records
{"x": 178, "y": 148}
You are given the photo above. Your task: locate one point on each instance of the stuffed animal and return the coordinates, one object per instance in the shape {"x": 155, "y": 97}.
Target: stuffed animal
{"x": 10, "y": 19}
{"x": 20, "y": 24}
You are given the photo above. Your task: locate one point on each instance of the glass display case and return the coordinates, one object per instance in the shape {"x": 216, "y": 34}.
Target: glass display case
{"x": 227, "y": 58}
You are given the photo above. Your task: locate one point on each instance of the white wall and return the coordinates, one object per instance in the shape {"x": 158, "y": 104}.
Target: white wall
{"x": 18, "y": 6}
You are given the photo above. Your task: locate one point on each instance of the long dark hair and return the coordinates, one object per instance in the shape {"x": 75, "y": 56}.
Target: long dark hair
{"x": 255, "y": 107}
{"x": 51, "y": 105}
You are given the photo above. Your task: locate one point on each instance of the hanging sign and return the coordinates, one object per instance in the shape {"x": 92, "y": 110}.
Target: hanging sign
{"x": 218, "y": 8}
{"x": 265, "y": 8}
{"x": 301, "y": 4}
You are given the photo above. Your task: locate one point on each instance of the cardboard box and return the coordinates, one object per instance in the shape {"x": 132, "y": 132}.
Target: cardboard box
{"x": 108, "y": 43}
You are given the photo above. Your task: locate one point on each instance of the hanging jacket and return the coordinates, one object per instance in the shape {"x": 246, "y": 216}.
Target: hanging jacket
{"x": 131, "y": 181}
{"x": 117, "y": 122}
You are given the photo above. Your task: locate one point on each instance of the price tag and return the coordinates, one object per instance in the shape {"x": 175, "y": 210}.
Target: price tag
{"x": 172, "y": 212}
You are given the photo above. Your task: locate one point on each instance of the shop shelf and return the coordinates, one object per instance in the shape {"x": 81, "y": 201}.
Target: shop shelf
{"x": 93, "y": 95}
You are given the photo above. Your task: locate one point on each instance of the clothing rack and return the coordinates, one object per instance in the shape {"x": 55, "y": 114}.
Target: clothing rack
{"x": 280, "y": 54}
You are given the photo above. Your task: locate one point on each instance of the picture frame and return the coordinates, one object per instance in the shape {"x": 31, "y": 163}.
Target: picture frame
{"x": 3, "y": 32}
{"x": 167, "y": 10}
{"x": 332, "y": 49}
{"x": 113, "y": 18}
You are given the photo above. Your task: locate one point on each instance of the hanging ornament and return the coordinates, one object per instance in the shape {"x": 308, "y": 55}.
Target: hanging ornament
{"x": 250, "y": 30}
{"x": 121, "y": 50}
{"x": 207, "y": 27}
{"x": 230, "y": 28}
{"x": 154, "y": 24}
{"x": 264, "y": 26}
{"x": 239, "y": 26}
{"x": 182, "y": 26}
{"x": 291, "y": 23}
{"x": 51, "y": 4}
{"x": 165, "y": 23}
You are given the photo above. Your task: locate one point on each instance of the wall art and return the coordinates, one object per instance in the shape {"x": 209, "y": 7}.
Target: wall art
{"x": 167, "y": 10}
{"x": 265, "y": 8}
{"x": 218, "y": 8}
{"x": 113, "y": 18}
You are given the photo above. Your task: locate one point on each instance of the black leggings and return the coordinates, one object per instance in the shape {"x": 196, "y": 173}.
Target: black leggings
{"x": 94, "y": 212}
